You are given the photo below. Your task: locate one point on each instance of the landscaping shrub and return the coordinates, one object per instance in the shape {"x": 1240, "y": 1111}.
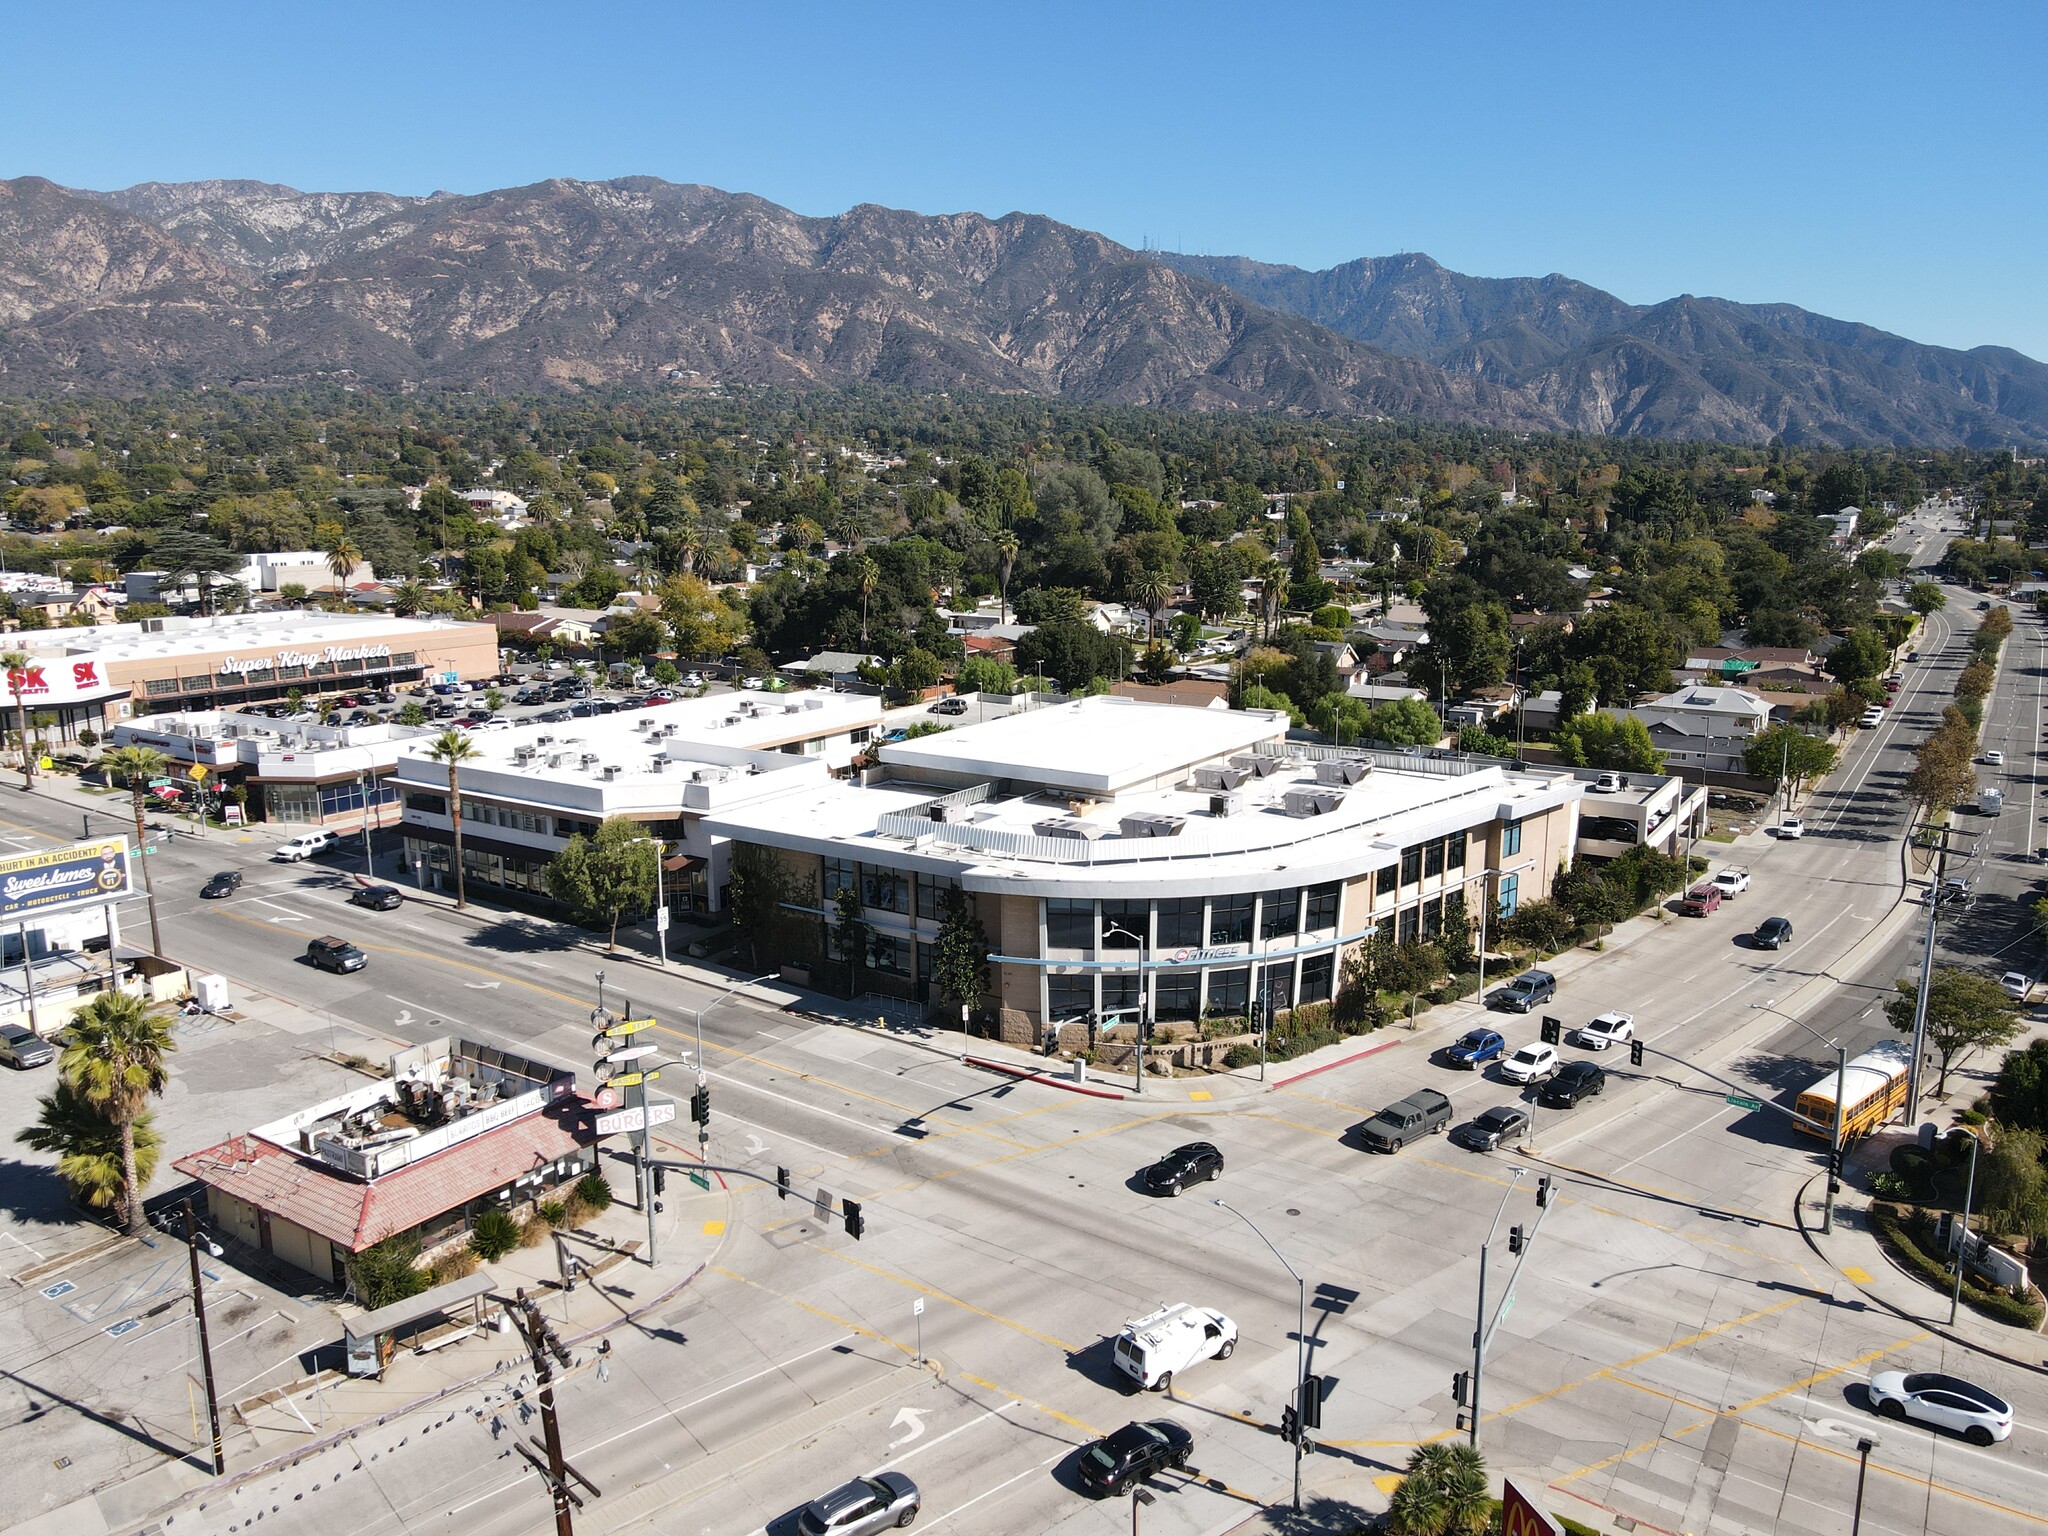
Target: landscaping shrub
{"x": 554, "y": 1212}
{"x": 456, "y": 1264}
{"x": 1910, "y": 1236}
{"x": 493, "y": 1235}
{"x": 385, "y": 1273}
{"x": 533, "y": 1232}
{"x": 594, "y": 1192}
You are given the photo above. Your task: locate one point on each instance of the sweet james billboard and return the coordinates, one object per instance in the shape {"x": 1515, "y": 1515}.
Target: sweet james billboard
{"x": 33, "y": 884}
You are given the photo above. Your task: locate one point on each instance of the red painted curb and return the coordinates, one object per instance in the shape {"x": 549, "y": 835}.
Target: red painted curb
{"x": 1331, "y": 1066}
{"x": 1030, "y": 1076}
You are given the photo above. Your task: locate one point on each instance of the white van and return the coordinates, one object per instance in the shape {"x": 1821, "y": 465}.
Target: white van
{"x": 304, "y": 846}
{"x": 1990, "y": 801}
{"x": 1151, "y": 1349}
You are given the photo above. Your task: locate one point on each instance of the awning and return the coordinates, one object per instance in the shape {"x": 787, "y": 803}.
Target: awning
{"x": 677, "y": 862}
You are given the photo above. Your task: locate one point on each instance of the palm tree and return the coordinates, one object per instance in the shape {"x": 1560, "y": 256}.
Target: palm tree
{"x": 804, "y": 533}
{"x": 867, "y": 574}
{"x": 87, "y": 1141}
{"x": 1006, "y": 567}
{"x": 1272, "y": 594}
{"x": 343, "y": 556}
{"x": 136, "y": 767}
{"x": 117, "y": 1057}
{"x": 408, "y": 598}
{"x": 1443, "y": 1494}
{"x": 1152, "y": 592}
{"x": 453, "y": 749}
{"x": 17, "y": 663}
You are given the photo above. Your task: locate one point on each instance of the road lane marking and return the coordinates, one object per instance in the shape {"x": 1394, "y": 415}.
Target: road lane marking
{"x": 936, "y": 1294}
{"x": 961, "y": 1509}
{"x": 990, "y": 1413}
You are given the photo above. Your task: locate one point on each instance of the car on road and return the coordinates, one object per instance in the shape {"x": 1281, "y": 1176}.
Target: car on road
{"x": 1574, "y": 1081}
{"x": 1524, "y": 992}
{"x": 336, "y": 955}
{"x": 2017, "y": 985}
{"x": 1995, "y": 759}
{"x": 1474, "y": 1049}
{"x": 1151, "y": 1348}
{"x": 879, "y": 1503}
{"x": 23, "y": 1048}
{"x": 1598, "y": 1033}
{"x": 1193, "y": 1163}
{"x": 1870, "y": 717}
{"x": 1425, "y": 1112}
{"x": 1946, "y": 1402}
{"x": 1531, "y": 1064}
{"x": 1492, "y": 1128}
{"x": 1912, "y": 655}
{"x": 304, "y": 846}
{"x": 1773, "y": 933}
{"x": 378, "y": 898}
{"x": 1700, "y": 900}
{"x": 1732, "y": 881}
{"x": 1111, "y": 1464}
{"x": 226, "y": 883}
{"x": 1792, "y": 826}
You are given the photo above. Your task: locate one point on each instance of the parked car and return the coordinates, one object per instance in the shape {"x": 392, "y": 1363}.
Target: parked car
{"x": 1598, "y": 1033}
{"x": 1574, "y": 1081}
{"x": 878, "y": 1503}
{"x": 1773, "y": 933}
{"x": 226, "y": 883}
{"x": 378, "y": 898}
{"x": 1870, "y": 717}
{"x": 2017, "y": 985}
{"x": 1792, "y": 826}
{"x": 1152, "y": 1348}
{"x": 1531, "y": 1064}
{"x": 1474, "y": 1049}
{"x": 658, "y": 697}
{"x": 1133, "y": 1453}
{"x": 1701, "y": 900}
{"x": 693, "y": 679}
{"x": 1524, "y": 992}
{"x": 1492, "y": 1128}
{"x": 336, "y": 955}
{"x": 1946, "y": 1402}
{"x": 1424, "y": 1112}
{"x": 1732, "y": 881}
{"x": 1607, "y": 784}
{"x": 1184, "y": 1165}
{"x": 948, "y": 707}
{"x": 23, "y": 1048}
{"x": 530, "y": 696}
{"x": 304, "y": 846}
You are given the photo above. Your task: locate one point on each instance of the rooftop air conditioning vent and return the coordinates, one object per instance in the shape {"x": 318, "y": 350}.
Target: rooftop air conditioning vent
{"x": 1342, "y": 771}
{"x": 1151, "y": 824}
{"x": 611, "y": 771}
{"x": 938, "y": 810}
{"x": 1312, "y": 802}
{"x": 1220, "y": 778}
{"x": 1228, "y": 803}
{"x": 587, "y": 759}
{"x": 658, "y": 765}
{"x": 1069, "y": 829}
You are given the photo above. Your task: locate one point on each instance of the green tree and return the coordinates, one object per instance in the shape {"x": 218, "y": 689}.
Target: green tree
{"x": 1926, "y": 597}
{"x": 635, "y": 634}
{"x": 851, "y": 934}
{"x": 1006, "y": 567}
{"x": 1965, "y": 1014}
{"x": 1541, "y": 925}
{"x": 866, "y": 576}
{"x": 412, "y": 712}
{"x": 179, "y": 554}
{"x": 1786, "y": 751}
{"x": 960, "y": 956}
{"x": 387, "y": 1272}
{"x": 986, "y": 674}
{"x": 2020, "y": 1096}
{"x": 1455, "y": 941}
{"x": 117, "y": 1056}
{"x": 89, "y": 1147}
{"x": 1074, "y": 653}
{"x": 2014, "y": 1183}
{"x": 452, "y": 749}
{"x": 758, "y": 895}
{"x": 344, "y": 554}
{"x": 1858, "y": 657}
{"x": 408, "y": 598}
{"x": 1620, "y": 742}
{"x": 601, "y": 877}
{"x": 1442, "y": 1494}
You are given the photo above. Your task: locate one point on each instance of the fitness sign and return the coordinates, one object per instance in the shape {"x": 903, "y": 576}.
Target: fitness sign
{"x": 83, "y": 874}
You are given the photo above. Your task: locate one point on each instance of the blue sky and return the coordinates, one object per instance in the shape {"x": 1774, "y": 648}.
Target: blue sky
{"x": 1877, "y": 162}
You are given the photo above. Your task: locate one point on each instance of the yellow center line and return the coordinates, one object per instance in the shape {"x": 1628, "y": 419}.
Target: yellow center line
{"x": 1017, "y": 1397}
{"x": 952, "y": 1301}
{"x": 1902, "y": 1475}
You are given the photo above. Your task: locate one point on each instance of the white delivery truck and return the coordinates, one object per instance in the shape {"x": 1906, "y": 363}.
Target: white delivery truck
{"x": 1151, "y": 1349}
{"x": 1990, "y": 801}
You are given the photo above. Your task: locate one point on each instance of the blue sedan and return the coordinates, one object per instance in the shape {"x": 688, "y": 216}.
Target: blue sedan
{"x": 1474, "y": 1049}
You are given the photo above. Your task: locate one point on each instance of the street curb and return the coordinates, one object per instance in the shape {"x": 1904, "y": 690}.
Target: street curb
{"x": 1025, "y": 1074}
{"x": 1331, "y": 1066}
{"x": 1943, "y": 1330}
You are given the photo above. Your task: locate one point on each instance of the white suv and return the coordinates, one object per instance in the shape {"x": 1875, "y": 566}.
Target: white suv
{"x": 304, "y": 846}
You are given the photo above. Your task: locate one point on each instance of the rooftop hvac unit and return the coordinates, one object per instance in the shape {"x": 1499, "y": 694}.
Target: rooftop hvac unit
{"x": 1151, "y": 824}
{"x": 542, "y": 741}
{"x": 658, "y": 765}
{"x": 1348, "y": 770}
{"x": 611, "y": 771}
{"x": 586, "y": 759}
{"x": 938, "y": 810}
{"x": 1312, "y": 802}
{"x": 1258, "y": 767}
{"x": 523, "y": 754}
{"x": 1220, "y": 778}
{"x": 554, "y": 759}
{"x": 1229, "y": 803}
{"x": 1069, "y": 828}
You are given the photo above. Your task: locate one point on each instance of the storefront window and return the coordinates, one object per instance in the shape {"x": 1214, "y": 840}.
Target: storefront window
{"x": 291, "y": 803}
{"x": 1069, "y": 997}
{"x": 1070, "y": 925}
{"x": 1120, "y": 991}
{"x": 1317, "y": 972}
{"x": 1176, "y": 994}
{"x": 1180, "y": 923}
{"x": 1230, "y": 920}
{"x": 1280, "y": 913}
{"x": 1229, "y": 990}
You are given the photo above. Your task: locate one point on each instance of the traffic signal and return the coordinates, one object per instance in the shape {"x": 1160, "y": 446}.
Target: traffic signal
{"x": 1312, "y": 1402}
{"x": 782, "y": 1183}
{"x": 854, "y": 1225}
{"x": 1635, "y": 1053}
{"x": 1553, "y": 1029}
{"x": 1461, "y": 1388}
{"x": 700, "y": 1104}
{"x": 1514, "y": 1239}
{"x": 1543, "y": 1192}
{"x": 660, "y": 1179}
{"x": 1290, "y": 1425}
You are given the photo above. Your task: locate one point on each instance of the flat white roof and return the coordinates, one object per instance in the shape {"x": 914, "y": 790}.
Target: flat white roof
{"x": 1095, "y": 746}
{"x": 260, "y": 631}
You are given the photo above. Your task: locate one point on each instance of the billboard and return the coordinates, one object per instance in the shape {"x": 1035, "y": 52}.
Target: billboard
{"x": 85, "y": 874}
{"x": 1520, "y": 1515}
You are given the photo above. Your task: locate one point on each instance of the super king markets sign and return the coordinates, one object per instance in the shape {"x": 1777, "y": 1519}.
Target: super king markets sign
{"x": 240, "y": 666}
{"x": 85, "y": 874}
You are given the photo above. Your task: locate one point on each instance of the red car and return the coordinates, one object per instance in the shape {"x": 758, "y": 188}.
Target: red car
{"x": 1700, "y": 900}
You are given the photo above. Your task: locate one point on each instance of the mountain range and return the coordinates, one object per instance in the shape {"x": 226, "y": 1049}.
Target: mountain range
{"x": 644, "y": 282}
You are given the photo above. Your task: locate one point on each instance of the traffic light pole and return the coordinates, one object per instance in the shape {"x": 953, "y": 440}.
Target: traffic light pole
{"x": 1479, "y": 1320}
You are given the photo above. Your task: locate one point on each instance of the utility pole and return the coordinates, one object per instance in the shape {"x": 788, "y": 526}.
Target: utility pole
{"x": 1913, "y": 1068}
{"x": 220, "y": 1461}
{"x": 1292, "y": 1424}
{"x": 548, "y": 1350}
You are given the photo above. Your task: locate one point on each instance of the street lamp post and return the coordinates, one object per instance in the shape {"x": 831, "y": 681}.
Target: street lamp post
{"x": 1300, "y": 1333}
{"x": 1144, "y": 1013}
{"x": 1955, "y": 1299}
{"x": 1864, "y": 1447}
{"x": 1479, "y": 1324}
{"x": 1827, "y": 1219}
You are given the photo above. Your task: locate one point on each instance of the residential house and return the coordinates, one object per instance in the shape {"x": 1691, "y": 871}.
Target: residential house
{"x": 1704, "y": 728}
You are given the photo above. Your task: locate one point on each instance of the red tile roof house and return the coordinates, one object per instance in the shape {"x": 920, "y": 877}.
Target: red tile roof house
{"x": 453, "y": 1132}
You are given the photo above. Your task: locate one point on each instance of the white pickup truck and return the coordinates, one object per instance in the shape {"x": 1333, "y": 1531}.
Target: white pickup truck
{"x": 1151, "y": 1349}
{"x": 1731, "y": 882}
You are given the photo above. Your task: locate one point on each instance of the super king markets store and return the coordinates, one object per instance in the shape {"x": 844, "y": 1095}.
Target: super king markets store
{"x": 93, "y": 679}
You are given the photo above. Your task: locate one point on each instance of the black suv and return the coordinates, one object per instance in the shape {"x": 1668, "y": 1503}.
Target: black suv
{"x": 1132, "y": 1454}
{"x": 1573, "y": 1081}
{"x": 1775, "y": 933}
{"x": 1524, "y": 992}
{"x": 378, "y": 898}
{"x": 1191, "y": 1164}
{"x": 337, "y": 955}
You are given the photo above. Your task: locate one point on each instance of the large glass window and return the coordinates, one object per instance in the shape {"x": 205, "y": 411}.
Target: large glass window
{"x": 1070, "y": 924}
{"x": 1069, "y": 997}
{"x": 1432, "y": 916}
{"x": 1120, "y": 994}
{"x": 1454, "y": 851}
{"x": 1510, "y": 894}
{"x": 1229, "y": 991}
{"x": 883, "y": 890}
{"x": 1322, "y": 907}
{"x": 1510, "y": 839}
{"x": 1175, "y": 994}
{"x": 1280, "y": 913}
{"x": 1433, "y": 858}
{"x": 1317, "y": 973}
{"x": 290, "y": 803}
{"x": 836, "y": 875}
{"x": 1411, "y": 864}
{"x": 1230, "y": 920}
{"x": 933, "y": 896}
{"x": 1180, "y": 923}
{"x": 1409, "y": 928}
{"x": 1123, "y": 924}
{"x": 427, "y": 805}
{"x": 889, "y": 954}
{"x": 1387, "y": 881}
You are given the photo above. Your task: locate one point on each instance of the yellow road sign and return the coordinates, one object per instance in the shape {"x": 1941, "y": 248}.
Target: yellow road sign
{"x": 629, "y": 1027}
{"x": 197, "y": 771}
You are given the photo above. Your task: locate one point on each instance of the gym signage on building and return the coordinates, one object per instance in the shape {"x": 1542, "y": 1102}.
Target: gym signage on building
{"x": 32, "y": 884}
